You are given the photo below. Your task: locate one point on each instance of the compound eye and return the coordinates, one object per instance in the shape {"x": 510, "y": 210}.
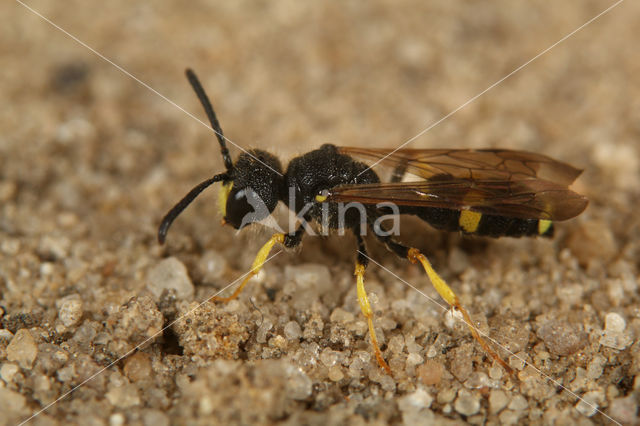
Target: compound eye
{"x": 244, "y": 206}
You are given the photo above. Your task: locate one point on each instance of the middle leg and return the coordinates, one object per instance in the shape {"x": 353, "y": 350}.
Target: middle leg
{"x": 361, "y": 264}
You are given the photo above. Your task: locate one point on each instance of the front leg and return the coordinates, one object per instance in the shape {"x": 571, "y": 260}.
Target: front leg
{"x": 261, "y": 257}
{"x": 288, "y": 240}
{"x": 294, "y": 240}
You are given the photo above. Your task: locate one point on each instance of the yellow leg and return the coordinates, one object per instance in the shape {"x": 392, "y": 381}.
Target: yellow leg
{"x": 255, "y": 268}
{"x": 368, "y": 313}
{"x": 447, "y": 294}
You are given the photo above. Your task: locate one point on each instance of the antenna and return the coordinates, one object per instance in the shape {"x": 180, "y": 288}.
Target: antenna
{"x": 182, "y": 204}
{"x": 208, "y": 108}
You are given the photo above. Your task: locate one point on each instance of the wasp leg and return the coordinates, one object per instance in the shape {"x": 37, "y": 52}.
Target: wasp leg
{"x": 255, "y": 268}
{"x": 414, "y": 256}
{"x": 361, "y": 264}
{"x": 293, "y": 240}
{"x": 288, "y": 240}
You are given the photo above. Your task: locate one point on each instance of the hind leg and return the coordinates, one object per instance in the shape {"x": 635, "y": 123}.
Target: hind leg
{"x": 415, "y": 256}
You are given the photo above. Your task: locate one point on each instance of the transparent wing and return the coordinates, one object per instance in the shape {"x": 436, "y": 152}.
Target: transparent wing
{"x": 485, "y": 164}
{"x": 527, "y": 199}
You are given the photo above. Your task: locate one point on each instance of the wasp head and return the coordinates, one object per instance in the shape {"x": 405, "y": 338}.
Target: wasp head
{"x": 253, "y": 190}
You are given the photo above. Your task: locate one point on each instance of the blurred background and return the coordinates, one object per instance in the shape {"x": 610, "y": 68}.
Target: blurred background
{"x": 288, "y": 77}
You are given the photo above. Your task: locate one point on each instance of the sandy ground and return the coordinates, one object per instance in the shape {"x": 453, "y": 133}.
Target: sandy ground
{"x": 90, "y": 160}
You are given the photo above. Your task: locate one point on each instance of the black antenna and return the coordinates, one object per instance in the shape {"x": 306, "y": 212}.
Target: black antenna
{"x": 215, "y": 125}
{"x": 182, "y": 204}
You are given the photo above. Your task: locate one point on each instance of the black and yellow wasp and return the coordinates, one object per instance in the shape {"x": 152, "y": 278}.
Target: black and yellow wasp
{"x": 491, "y": 192}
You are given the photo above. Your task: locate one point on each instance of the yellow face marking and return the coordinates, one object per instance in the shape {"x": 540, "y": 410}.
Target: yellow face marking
{"x": 321, "y": 198}
{"x": 543, "y": 226}
{"x": 469, "y": 220}
{"x": 223, "y": 195}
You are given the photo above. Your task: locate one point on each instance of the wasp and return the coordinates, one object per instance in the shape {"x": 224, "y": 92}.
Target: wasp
{"x": 486, "y": 192}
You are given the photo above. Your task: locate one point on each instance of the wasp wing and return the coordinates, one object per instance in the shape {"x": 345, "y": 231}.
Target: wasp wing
{"x": 497, "y": 164}
{"x": 526, "y": 199}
